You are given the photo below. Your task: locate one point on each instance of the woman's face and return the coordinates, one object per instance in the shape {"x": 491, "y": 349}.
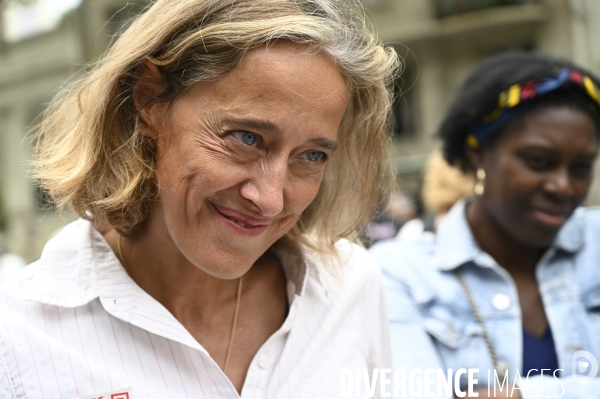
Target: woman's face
{"x": 539, "y": 173}
{"x": 241, "y": 157}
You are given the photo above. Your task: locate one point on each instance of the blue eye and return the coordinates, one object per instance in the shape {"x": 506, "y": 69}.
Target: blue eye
{"x": 247, "y": 138}
{"x": 316, "y": 156}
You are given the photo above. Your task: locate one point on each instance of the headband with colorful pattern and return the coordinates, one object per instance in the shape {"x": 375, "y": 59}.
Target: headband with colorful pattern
{"x": 517, "y": 94}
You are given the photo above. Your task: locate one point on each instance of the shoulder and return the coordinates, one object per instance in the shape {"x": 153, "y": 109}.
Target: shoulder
{"x": 354, "y": 257}
{"x": 583, "y": 229}
{"x": 47, "y": 279}
{"x": 11, "y": 269}
{"x": 353, "y": 260}
{"x": 11, "y": 262}
{"x": 406, "y": 250}
{"x": 351, "y": 270}
{"x": 401, "y": 259}
{"x": 13, "y": 293}
{"x": 591, "y": 218}
{"x": 17, "y": 314}
{"x": 19, "y": 282}
{"x": 587, "y": 222}
{"x": 411, "y": 271}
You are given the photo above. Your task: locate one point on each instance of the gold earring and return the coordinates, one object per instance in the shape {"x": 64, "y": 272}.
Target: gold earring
{"x": 480, "y": 183}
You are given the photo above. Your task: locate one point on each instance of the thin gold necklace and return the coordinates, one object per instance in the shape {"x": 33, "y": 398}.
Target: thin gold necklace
{"x": 238, "y": 297}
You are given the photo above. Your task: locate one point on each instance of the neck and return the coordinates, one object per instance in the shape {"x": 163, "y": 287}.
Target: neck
{"x": 513, "y": 255}
{"x": 155, "y": 263}
{"x": 204, "y": 304}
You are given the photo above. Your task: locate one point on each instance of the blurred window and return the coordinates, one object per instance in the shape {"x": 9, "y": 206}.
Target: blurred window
{"x": 447, "y": 8}
{"x": 22, "y": 19}
{"x": 42, "y": 199}
{"x": 405, "y": 104}
{"x": 119, "y": 18}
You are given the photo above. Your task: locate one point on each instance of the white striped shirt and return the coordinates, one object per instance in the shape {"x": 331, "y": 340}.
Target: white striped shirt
{"x": 74, "y": 324}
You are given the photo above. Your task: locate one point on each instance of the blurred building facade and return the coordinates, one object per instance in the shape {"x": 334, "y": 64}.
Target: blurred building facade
{"x": 440, "y": 40}
{"x": 31, "y": 73}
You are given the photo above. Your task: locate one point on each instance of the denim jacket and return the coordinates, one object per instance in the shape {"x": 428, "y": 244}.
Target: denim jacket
{"x": 432, "y": 325}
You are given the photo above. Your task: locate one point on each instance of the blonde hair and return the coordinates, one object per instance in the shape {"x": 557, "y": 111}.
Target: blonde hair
{"x": 444, "y": 184}
{"x": 90, "y": 155}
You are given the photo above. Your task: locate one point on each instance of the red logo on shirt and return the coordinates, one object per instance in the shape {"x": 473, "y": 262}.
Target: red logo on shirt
{"x": 124, "y": 395}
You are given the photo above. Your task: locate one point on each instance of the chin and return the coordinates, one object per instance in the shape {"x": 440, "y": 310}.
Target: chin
{"x": 223, "y": 262}
{"x": 226, "y": 271}
{"x": 538, "y": 238}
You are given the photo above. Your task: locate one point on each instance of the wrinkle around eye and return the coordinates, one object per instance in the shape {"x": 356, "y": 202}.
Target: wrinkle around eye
{"x": 240, "y": 151}
{"x": 309, "y": 170}
{"x": 240, "y": 136}
{"x": 208, "y": 139}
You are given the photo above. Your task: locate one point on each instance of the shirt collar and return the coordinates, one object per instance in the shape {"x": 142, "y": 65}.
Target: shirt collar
{"x": 456, "y": 245}
{"x": 571, "y": 237}
{"x": 78, "y": 266}
{"x": 89, "y": 267}
{"x": 293, "y": 263}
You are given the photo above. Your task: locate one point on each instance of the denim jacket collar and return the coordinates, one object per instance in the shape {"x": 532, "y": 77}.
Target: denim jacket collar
{"x": 456, "y": 245}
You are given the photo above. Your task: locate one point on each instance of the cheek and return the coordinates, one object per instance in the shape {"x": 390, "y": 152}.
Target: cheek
{"x": 509, "y": 192}
{"x": 512, "y": 181}
{"x": 192, "y": 167}
{"x": 300, "y": 194}
{"x": 581, "y": 188}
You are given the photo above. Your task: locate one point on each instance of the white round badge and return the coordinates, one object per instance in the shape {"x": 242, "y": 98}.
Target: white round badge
{"x": 501, "y": 301}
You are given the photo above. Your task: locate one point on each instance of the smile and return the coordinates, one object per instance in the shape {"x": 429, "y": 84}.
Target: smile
{"x": 554, "y": 220}
{"x": 238, "y": 222}
{"x": 241, "y": 223}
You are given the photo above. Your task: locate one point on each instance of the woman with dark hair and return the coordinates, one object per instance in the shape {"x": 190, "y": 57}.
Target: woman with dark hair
{"x": 511, "y": 284}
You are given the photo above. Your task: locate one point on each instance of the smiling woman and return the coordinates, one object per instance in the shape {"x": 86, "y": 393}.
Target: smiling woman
{"x": 223, "y": 157}
{"x": 241, "y": 157}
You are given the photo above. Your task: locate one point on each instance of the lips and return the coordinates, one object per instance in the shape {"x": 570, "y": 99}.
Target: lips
{"x": 247, "y": 224}
{"x": 551, "y": 218}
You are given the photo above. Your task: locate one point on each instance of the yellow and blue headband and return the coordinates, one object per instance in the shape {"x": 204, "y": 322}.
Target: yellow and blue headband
{"x": 510, "y": 99}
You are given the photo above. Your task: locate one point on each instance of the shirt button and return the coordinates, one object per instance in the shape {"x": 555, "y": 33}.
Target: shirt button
{"x": 501, "y": 302}
{"x": 264, "y": 360}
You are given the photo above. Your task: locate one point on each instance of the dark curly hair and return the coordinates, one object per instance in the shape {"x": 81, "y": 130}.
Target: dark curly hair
{"x": 478, "y": 97}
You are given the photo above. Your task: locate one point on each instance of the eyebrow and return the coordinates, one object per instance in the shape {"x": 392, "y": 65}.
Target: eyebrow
{"x": 251, "y": 123}
{"x": 325, "y": 143}
{"x": 265, "y": 125}
{"x": 555, "y": 153}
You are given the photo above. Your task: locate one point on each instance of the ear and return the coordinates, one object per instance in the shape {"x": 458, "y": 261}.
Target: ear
{"x": 146, "y": 90}
{"x": 476, "y": 157}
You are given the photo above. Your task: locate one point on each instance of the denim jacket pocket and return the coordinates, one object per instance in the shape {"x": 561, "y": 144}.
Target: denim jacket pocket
{"x": 453, "y": 332}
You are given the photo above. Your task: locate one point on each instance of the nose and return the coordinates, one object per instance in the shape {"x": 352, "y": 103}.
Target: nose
{"x": 559, "y": 184}
{"x": 265, "y": 188}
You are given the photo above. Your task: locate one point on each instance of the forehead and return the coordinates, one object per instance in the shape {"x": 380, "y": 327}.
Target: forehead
{"x": 280, "y": 82}
{"x": 285, "y": 71}
{"x": 556, "y": 128}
